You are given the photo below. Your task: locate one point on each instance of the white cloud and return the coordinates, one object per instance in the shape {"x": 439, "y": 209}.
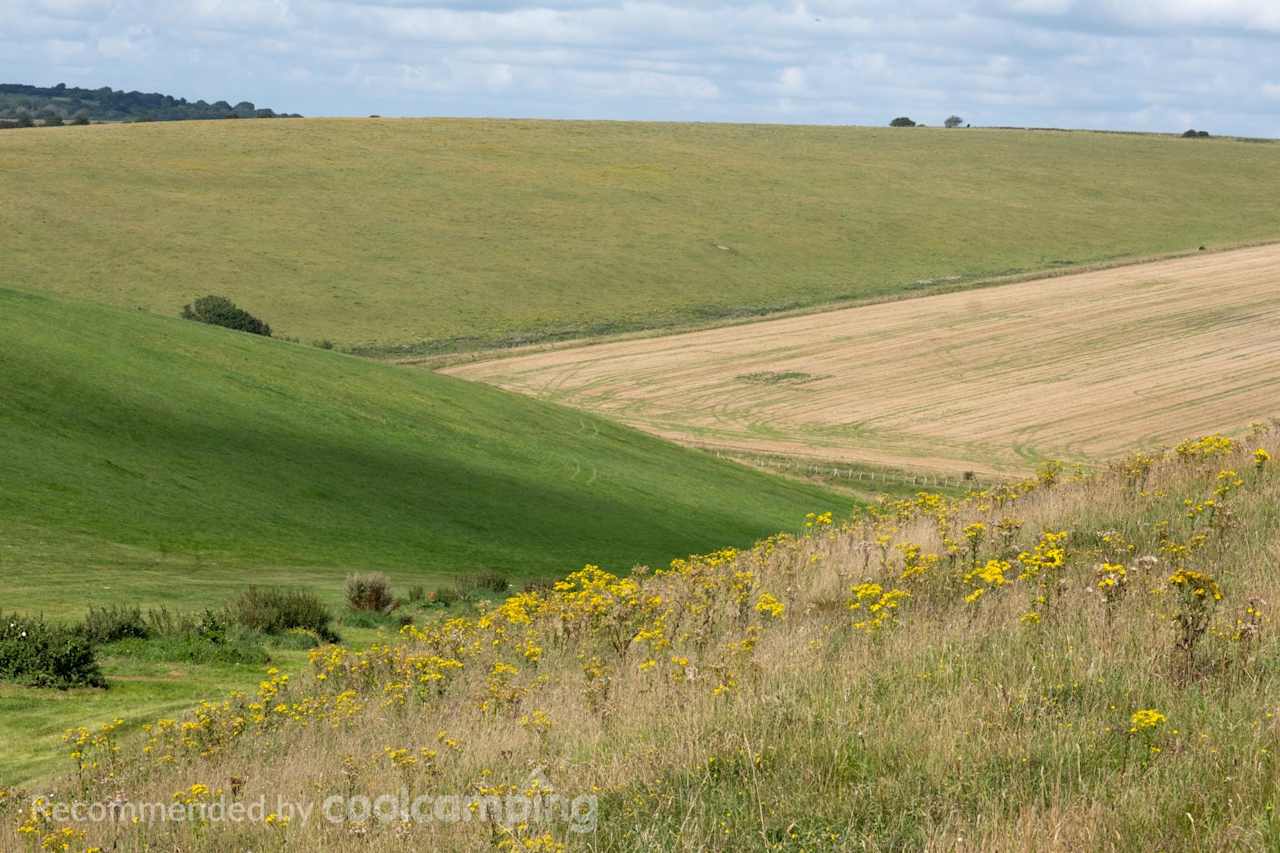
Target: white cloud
{"x": 75, "y": 9}
{"x": 1154, "y": 64}
{"x": 1042, "y": 7}
{"x": 236, "y": 15}
{"x": 647, "y": 84}
{"x": 793, "y": 80}
{"x": 128, "y": 45}
{"x": 64, "y": 52}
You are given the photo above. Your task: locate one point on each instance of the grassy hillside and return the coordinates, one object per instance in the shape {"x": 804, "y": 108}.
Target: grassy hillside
{"x": 158, "y": 460}
{"x": 1056, "y": 665}
{"x": 417, "y": 236}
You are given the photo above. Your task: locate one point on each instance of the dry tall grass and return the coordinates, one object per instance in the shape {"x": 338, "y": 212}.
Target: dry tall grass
{"x": 1046, "y": 666}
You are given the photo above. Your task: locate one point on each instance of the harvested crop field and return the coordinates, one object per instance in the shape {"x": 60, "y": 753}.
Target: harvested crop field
{"x": 1082, "y": 367}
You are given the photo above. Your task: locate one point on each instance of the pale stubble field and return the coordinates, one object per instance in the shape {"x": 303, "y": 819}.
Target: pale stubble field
{"x": 1082, "y": 367}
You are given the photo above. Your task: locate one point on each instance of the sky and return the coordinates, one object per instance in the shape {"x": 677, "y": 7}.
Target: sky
{"x": 1161, "y": 65}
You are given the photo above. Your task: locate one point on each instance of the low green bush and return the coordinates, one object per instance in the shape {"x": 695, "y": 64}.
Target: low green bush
{"x": 113, "y": 622}
{"x": 35, "y": 653}
{"x": 486, "y": 581}
{"x": 297, "y": 639}
{"x": 275, "y": 611}
{"x": 161, "y": 635}
{"x": 221, "y": 311}
{"x": 370, "y": 592}
{"x": 163, "y": 622}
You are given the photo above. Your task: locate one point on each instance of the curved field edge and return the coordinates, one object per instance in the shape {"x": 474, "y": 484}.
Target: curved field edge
{"x": 1056, "y": 664}
{"x": 449, "y": 356}
{"x": 480, "y": 233}
{"x": 155, "y": 460}
{"x": 1082, "y": 368}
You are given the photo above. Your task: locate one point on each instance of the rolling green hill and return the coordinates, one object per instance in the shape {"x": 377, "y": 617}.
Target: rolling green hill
{"x": 158, "y": 460}
{"x": 411, "y": 236}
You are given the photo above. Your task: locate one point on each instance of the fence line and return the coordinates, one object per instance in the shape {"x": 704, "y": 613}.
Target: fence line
{"x": 855, "y": 474}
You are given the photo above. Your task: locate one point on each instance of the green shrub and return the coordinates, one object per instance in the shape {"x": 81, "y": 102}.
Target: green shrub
{"x": 35, "y": 653}
{"x": 211, "y": 626}
{"x": 112, "y": 623}
{"x": 275, "y": 611}
{"x": 163, "y": 622}
{"x": 487, "y": 581}
{"x": 417, "y": 594}
{"x": 161, "y": 635}
{"x": 221, "y": 311}
{"x": 448, "y": 595}
{"x": 370, "y": 592}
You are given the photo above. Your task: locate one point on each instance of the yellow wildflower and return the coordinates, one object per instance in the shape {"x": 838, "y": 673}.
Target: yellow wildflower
{"x": 1145, "y": 719}
{"x": 770, "y": 606}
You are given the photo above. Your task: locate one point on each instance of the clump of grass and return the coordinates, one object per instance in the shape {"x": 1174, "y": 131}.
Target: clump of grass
{"x": 447, "y": 596}
{"x": 113, "y": 622}
{"x": 369, "y": 592}
{"x": 794, "y": 377}
{"x": 276, "y": 611}
{"x": 486, "y": 581}
{"x": 298, "y": 639}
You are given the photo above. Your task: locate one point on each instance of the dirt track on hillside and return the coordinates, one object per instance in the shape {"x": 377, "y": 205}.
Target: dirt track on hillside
{"x": 1081, "y": 367}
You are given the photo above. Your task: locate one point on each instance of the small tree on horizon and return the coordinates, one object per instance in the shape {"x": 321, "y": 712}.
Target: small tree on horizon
{"x": 954, "y": 121}
{"x": 902, "y": 121}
